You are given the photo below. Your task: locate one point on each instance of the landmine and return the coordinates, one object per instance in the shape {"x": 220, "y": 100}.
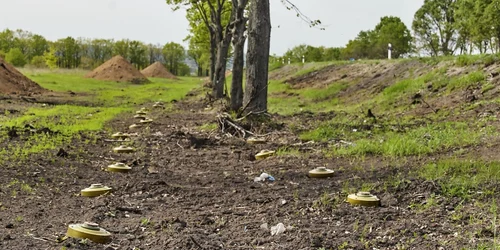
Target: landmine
{"x": 120, "y": 135}
{"x": 95, "y": 190}
{"x": 123, "y": 149}
{"x": 89, "y": 230}
{"x": 264, "y": 154}
{"x": 253, "y": 140}
{"x": 140, "y": 117}
{"x": 135, "y": 126}
{"x": 146, "y": 121}
{"x": 119, "y": 168}
{"x": 364, "y": 199}
{"x": 321, "y": 172}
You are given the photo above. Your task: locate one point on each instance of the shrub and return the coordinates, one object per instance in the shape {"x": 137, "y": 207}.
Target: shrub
{"x": 15, "y": 57}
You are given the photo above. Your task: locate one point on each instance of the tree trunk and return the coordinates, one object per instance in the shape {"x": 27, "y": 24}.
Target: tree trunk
{"x": 213, "y": 49}
{"x": 238, "y": 62}
{"x": 259, "y": 38}
{"x": 220, "y": 67}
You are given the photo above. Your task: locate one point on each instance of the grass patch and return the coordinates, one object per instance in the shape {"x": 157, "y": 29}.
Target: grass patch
{"x": 463, "y": 178}
{"x": 107, "y": 99}
{"x": 417, "y": 141}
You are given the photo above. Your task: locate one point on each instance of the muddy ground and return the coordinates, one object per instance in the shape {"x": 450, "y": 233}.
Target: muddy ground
{"x": 194, "y": 190}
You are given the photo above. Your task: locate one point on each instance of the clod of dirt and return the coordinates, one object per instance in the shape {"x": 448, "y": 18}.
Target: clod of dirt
{"x": 12, "y": 133}
{"x": 158, "y": 70}
{"x": 62, "y": 153}
{"x": 118, "y": 69}
{"x": 13, "y": 82}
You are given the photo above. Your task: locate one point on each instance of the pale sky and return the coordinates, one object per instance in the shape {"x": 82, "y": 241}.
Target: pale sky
{"x": 152, "y": 21}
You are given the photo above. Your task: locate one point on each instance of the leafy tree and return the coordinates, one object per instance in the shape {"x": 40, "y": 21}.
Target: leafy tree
{"x": 174, "y": 55}
{"x": 155, "y": 54}
{"x": 434, "y": 27}
{"x": 2, "y": 54}
{"x": 121, "y": 48}
{"x": 6, "y": 40}
{"x": 492, "y": 18}
{"x": 67, "y": 53}
{"x": 38, "y": 62}
{"x": 332, "y": 54}
{"x": 37, "y": 46}
{"x": 16, "y": 57}
{"x": 216, "y": 15}
{"x": 183, "y": 69}
{"x": 391, "y": 30}
{"x": 137, "y": 54}
{"x": 50, "y": 58}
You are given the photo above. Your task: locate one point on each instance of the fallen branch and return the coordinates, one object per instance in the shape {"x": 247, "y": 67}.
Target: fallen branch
{"x": 196, "y": 243}
{"x": 129, "y": 209}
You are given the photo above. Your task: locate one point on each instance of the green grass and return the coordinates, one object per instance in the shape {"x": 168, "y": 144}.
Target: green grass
{"x": 106, "y": 101}
{"x": 285, "y": 100}
{"x": 384, "y": 141}
{"x": 463, "y": 178}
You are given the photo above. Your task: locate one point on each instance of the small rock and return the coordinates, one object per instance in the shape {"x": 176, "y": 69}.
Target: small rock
{"x": 282, "y": 202}
{"x": 10, "y": 225}
{"x": 278, "y": 229}
{"x": 264, "y": 227}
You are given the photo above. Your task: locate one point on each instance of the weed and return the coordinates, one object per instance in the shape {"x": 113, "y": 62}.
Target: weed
{"x": 460, "y": 178}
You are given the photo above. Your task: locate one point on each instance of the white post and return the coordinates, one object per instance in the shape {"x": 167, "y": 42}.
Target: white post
{"x": 389, "y": 51}
{"x": 303, "y": 59}
{"x": 283, "y": 60}
{"x": 288, "y": 60}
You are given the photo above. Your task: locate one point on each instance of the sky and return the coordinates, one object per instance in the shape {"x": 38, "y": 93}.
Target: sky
{"x": 153, "y": 21}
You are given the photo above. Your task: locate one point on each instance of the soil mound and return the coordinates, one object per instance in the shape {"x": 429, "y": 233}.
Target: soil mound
{"x": 118, "y": 69}
{"x": 14, "y": 82}
{"x": 157, "y": 70}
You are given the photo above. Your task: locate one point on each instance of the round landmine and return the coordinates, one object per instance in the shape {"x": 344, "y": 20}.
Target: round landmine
{"x": 158, "y": 105}
{"x": 89, "y": 230}
{"x": 146, "y": 121}
{"x": 141, "y": 112}
{"x": 321, "y": 172}
{"x": 95, "y": 190}
{"x": 264, "y": 154}
{"x": 364, "y": 199}
{"x": 123, "y": 149}
{"x": 140, "y": 117}
{"x": 119, "y": 168}
{"x": 253, "y": 140}
{"x": 120, "y": 135}
{"x": 133, "y": 126}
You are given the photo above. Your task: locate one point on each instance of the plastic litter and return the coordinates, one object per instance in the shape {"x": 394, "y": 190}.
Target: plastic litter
{"x": 264, "y": 177}
{"x": 278, "y": 229}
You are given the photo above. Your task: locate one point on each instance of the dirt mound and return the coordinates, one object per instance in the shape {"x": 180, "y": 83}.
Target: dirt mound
{"x": 158, "y": 70}
{"x": 13, "y": 82}
{"x": 118, "y": 69}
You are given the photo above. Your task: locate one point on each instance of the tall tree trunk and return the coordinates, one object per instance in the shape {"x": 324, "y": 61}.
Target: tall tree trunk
{"x": 259, "y": 39}
{"x": 220, "y": 67}
{"x": 238, "y": 62}
{"x": 213, "y": 50}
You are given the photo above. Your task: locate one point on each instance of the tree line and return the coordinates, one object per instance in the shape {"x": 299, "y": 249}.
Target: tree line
{"x": 22, "y": 48}
{"x": 440, "y": 27}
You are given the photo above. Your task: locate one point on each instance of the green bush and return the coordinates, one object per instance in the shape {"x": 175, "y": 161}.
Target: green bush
{"x": 38, "y": 62}
{"x": 15, "y": 57}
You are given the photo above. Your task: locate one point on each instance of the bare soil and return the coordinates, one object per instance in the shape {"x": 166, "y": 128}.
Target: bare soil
{"x": 117, "y": 69}
{"x": 13, "y": 82}
{"x": 195, "y": 190}
{"x": 157, "y": 69}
